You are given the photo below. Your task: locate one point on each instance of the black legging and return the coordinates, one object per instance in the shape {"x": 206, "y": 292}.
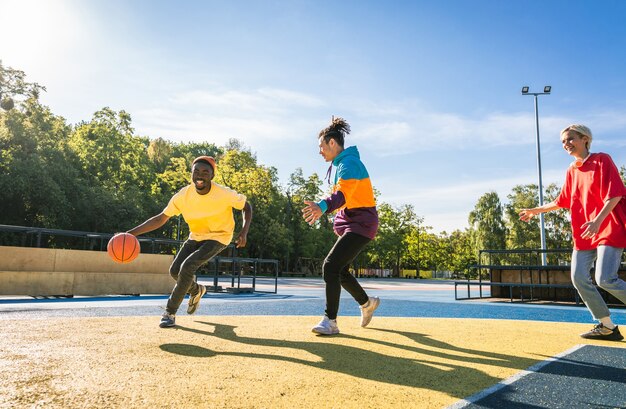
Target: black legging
{"x": 337, "y": 275}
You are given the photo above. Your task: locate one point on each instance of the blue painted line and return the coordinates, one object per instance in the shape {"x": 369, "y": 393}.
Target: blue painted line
{"x": 130, "y": 298}
{"x": 306, "y": 297}
{"x": 314, "y": 306}
{"x": 44, "y": 300}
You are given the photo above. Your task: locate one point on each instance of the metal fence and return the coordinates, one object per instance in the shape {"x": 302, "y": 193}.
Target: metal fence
{"x": 533, "y": 280}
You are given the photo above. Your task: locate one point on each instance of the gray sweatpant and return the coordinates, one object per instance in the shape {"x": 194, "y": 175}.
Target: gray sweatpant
{"x": 608, "y": 262}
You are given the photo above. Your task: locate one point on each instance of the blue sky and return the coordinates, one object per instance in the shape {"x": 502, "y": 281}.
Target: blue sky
{"x": 430, "y": 88}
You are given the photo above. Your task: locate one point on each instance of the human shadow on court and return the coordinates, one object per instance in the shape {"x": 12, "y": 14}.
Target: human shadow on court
{"x": 600, "y": 363}
{"x": 573, "y": 383}
{"x": 446, "y": 377}
{"x": 575, "y": 368}
{"x": 479, "y": 357}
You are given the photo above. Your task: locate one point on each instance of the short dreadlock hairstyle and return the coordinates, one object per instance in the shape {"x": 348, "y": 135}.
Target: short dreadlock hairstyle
{"x": 337, "y": 130}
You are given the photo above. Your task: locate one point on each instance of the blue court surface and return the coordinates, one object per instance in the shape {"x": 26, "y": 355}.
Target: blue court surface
{"x": 587, "y": 376}
{"x": 400, "y": 298}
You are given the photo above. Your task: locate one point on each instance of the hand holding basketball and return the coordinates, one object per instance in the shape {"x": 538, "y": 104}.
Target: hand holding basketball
{"x": 123, "y": 248}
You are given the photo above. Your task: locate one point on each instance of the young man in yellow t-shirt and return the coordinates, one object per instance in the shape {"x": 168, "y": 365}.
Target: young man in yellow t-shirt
{"x": 208, "y": 210}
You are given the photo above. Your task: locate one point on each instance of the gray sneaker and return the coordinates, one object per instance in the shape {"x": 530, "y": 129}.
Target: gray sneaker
{"x": 601, "y": 332}
{"x": 194, "y": 300}
{"x": 167, "y": 320}
{"x": 326, "y": 327}
{"x": 367, "y": 311}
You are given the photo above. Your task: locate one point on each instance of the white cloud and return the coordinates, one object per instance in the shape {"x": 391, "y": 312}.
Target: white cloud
{"x": 258, "y": 102}
{"x": 280, "y": 125}
{"x": 447, "y": 207}
{"x": 256, "y": 116}
{"x": 414, "y": 127}
{"x": 267, "y": 114}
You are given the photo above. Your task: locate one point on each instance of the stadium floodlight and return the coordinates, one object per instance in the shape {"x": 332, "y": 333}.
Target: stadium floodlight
{"x": 546, "y": 91}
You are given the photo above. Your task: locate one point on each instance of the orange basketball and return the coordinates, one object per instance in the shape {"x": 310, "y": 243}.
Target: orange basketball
{"x": 123, "y": 248}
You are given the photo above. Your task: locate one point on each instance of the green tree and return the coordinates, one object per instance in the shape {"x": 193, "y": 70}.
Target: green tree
{"x": 413, "y": 257}
{"x": 390, "y": 247}
{"x": 557, "y": 223}
{"x": 192, "y": 150}
{"x": 308, "y": 241}
{"x": 13, "y": 86}
{"x": 39, "y": 174}
{"x": 460, "y": 253}
{"x": 433, "y": 251}
{"x": 118, "y": 169}
{"x": 486, "y": 220}
{"x": 269, "y": 235}
{"x": 522, "y": 235}
{"x": 39, "y": 184}
{"x": 110, "y": 153}
{"x": 527, "y": 234}
{"x": 175, "y": 176}
{"x": 160, "y": 152}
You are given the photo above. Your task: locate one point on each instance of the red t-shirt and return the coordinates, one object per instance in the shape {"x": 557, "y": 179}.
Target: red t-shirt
{"x": 584, "y": 193}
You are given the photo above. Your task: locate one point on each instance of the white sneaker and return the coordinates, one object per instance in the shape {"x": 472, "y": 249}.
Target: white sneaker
{"x": 167, "y": 320}
{"x": 326, "y": 327}
{"x": 367, "y": 310}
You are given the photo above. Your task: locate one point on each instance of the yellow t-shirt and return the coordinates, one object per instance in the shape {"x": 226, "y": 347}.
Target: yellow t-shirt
{"x": 210, "y": 216}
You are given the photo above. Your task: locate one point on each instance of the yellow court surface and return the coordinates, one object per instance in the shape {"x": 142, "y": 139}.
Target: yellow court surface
{"x": 266, "y": 361}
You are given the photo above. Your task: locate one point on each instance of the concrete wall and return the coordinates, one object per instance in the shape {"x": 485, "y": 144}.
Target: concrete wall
{"x": 37, "y": 271}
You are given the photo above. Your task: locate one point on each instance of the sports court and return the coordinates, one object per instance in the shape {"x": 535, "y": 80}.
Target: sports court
{"x": 423, "y": 349}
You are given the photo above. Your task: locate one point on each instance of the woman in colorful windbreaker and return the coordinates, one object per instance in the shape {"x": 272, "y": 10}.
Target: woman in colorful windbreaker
{"x": 594, "y": 194}
{"x": 356, "y": 223}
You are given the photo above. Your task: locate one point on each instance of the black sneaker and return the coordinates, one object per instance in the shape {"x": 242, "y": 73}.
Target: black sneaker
{"x": 167, "y": 320}
{"x": 601, "y": 332}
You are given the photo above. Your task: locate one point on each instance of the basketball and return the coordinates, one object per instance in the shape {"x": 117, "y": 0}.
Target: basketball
{"x": 123, "y": 248}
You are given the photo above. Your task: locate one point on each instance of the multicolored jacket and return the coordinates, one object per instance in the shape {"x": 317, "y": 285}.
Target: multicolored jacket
{"x": 353, "y": 196}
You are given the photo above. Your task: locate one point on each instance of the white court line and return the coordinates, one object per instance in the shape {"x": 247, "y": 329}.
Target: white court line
{"x": 495, "y": 388}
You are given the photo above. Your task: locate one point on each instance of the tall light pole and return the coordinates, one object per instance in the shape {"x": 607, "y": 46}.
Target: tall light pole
{"x": 546, "y": 91}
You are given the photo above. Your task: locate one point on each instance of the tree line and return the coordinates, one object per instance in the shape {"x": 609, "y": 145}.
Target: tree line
{"x": 100, "y": 176}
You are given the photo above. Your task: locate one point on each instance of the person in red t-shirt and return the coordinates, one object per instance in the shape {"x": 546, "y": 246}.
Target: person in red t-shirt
{"x": 594, "y": 193}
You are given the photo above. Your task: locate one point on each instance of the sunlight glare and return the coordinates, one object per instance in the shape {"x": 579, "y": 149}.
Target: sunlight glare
{"x": 36, "y": 33}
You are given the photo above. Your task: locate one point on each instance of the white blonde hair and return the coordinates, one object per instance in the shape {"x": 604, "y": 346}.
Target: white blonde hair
{"x": 580, "y": 129}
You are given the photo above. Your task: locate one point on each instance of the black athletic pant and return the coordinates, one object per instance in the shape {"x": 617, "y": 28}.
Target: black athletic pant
{"x": 189, "y": 258}
{"x": 337, "y": 275}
